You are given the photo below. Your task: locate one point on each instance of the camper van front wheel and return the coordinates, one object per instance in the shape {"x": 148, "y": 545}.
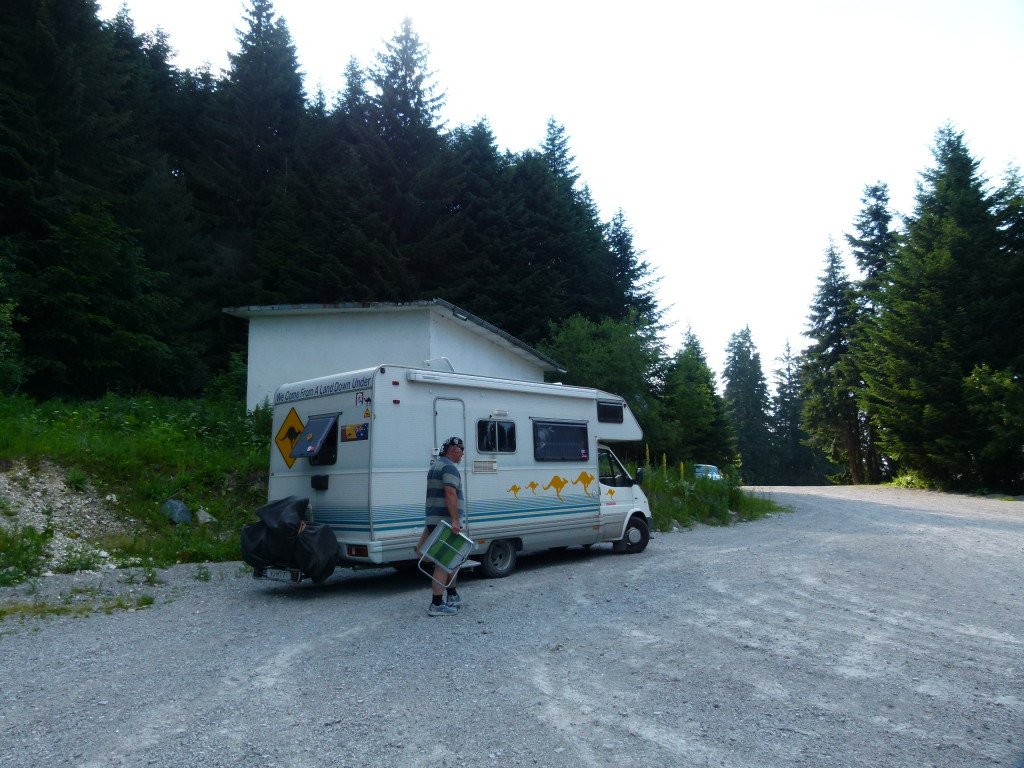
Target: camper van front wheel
{"x": 635, "y": 538}
{"x": 499, "y": 560}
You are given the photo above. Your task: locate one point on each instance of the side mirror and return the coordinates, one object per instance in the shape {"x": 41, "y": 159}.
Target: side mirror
{"x": 639, "y": 476}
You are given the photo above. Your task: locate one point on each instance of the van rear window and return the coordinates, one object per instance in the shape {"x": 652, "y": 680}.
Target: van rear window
{"x": 560, "y": 441}
{"x": 318, "y": 441}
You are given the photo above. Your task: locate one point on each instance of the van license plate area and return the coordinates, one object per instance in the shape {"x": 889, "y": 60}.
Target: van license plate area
{"x": 281, "y": 574}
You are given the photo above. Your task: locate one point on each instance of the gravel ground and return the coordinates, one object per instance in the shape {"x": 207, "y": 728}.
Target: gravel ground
{"x": 866, "y": 627}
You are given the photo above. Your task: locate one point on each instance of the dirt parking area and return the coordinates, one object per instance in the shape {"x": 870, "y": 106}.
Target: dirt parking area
{"x": 865, "y": 627}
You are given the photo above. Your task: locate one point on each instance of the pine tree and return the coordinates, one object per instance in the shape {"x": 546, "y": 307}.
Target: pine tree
{"x": 406, "y": 108}
{"x": 558, "y": 155}
{"x": 941, "y": 314}
{"x": 746, "y": 398}
{"x": 565, "y": 258}
{"x": 156, "y": 203}
{"x": 699, "y": 431}
{"x": 256, "y": 118}
{"x": 90, "y": 313}
{"x": 995, "y": 395}
{"x": 794, "y": 462}
{"x": 831, "y": 415}
{"x": 874, "y": 247}
{"x": 409, "y": 159}
{"x": 98, "y": 322}
{"x": 631, "y": 275}
{"x": 482, "y": 260}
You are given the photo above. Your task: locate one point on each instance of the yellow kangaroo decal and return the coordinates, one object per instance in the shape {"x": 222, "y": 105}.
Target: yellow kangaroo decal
{"x": 532, "y": 485}
{"x": 558, "y": 483}
{"x": 514, "y": 490}
{"x": 585, "y": 479}
{"x": 611, "y": 492}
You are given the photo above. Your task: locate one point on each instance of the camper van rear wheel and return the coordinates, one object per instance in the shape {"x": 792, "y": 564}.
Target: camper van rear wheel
{"x": 635, "y": 538}
{"x": 499, "y": 560}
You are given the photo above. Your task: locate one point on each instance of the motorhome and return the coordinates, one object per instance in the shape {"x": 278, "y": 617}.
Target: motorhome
{"x": 538, "y": 470}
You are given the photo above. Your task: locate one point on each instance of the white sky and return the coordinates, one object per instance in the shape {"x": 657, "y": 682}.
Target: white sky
{"x": 736, "y": 136}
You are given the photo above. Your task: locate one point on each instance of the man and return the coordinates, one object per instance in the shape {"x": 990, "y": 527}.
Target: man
{"x": 444, "y": 502}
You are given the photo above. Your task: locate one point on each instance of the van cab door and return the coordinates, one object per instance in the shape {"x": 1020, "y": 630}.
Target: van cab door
{"x": 616, "y": 493}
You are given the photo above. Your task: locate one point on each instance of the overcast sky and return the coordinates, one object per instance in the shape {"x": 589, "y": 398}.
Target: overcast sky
{"x": 736, "y": 136}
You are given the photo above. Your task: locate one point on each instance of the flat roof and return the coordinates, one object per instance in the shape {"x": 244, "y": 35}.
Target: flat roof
{"x": 475, "y": 324}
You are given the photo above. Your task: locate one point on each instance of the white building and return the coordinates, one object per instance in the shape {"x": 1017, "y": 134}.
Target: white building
{"x": 303, "y": 341}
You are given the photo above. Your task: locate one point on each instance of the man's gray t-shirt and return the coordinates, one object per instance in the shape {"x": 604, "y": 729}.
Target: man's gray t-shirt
{"x": 443, "y": 472}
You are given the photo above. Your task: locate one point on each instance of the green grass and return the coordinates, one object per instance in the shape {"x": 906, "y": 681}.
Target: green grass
{"x": 82, "y": 603}
{"x": 145, "y": 450}
{"x": 677, "y": 497}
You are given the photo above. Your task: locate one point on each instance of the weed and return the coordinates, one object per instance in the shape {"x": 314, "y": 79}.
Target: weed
{"x": 202, "y": 573}
{"x": 119, "y": 603}
{"x": 77, "y": 591}
{"x": 911, "y": 480}
{"x": 144, "y": 601}
{"x": 151, "y": 578}
{"x": 77, "y": 480}
{"x": 79, "y": 558}
{"x": 22, "y": 553}
{"x": 6, "y": 509}
{"x": 39, "y": 609}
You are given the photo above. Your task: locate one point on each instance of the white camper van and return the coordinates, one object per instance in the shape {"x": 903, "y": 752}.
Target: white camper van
{"x": 537, "y": 471}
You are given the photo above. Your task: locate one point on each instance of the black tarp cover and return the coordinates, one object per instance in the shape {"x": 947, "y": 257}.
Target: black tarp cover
{"x": 282, "y": 538}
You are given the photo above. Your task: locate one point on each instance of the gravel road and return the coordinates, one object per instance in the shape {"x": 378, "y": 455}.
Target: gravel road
{"x": 865, "y": 627}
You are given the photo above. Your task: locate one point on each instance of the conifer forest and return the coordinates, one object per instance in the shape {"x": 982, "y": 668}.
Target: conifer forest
{"x": 137, "y": 201}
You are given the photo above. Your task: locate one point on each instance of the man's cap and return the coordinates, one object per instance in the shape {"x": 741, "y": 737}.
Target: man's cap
{"x": 456, "y": 441}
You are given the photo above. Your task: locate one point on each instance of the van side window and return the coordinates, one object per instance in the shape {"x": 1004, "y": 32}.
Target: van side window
{"x": 560, "y": 441}
{"x": 610, "y": 411}
{"x": 495, "y": 436}
{"x": 610, "y": 471}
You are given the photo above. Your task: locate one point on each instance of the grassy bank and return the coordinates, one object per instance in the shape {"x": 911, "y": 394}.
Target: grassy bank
{"x": 144, "y": 450}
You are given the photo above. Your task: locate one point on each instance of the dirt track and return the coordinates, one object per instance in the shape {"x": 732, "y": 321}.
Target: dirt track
{"x": 868, "y": 627}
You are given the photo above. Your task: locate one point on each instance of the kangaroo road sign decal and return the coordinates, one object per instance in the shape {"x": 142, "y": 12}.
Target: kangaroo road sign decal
{"x": 290, "y": 431}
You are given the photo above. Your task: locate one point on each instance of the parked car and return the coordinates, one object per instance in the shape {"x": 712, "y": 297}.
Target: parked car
{"x": 710, "y": 471}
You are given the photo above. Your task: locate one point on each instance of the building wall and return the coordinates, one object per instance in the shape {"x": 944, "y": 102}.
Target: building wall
{"x": 471, "y": 353}
{"x": 287, "y": 348}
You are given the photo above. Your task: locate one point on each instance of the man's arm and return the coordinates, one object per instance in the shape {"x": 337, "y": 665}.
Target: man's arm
{"x": 451, "y": 500}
